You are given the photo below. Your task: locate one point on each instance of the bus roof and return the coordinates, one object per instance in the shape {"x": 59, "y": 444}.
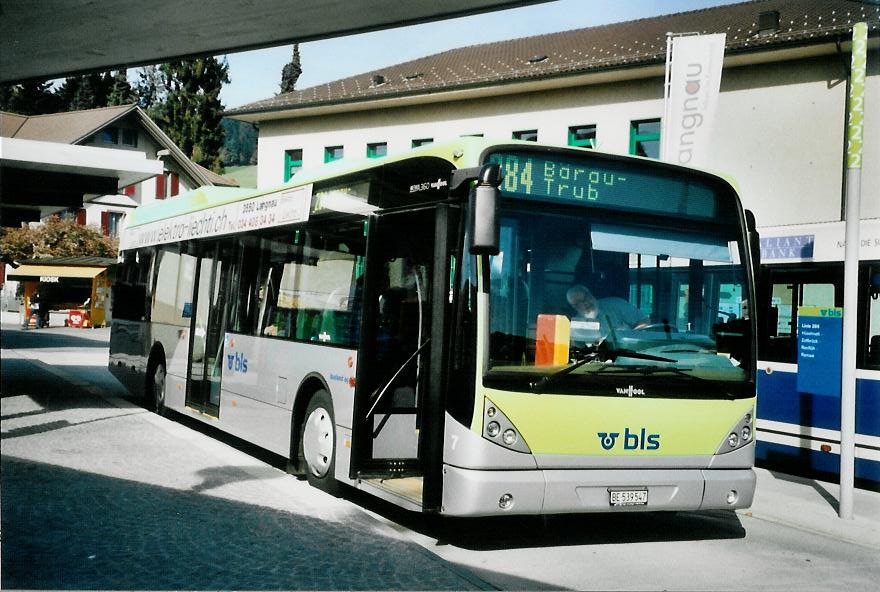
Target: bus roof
{"x": 464, "y": 152}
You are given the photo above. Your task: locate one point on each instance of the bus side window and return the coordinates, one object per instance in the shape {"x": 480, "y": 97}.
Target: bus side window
{"x": 781, "y": 342}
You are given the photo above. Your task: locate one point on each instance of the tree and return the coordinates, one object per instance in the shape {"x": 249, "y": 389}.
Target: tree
{"x": 33, "y": 97}
{"x": 291, "y": 71}
{"x": 121, "y": 92}
{"x": 88, "y": 91}
{"x": 239, "y": 143}
{"x": 150, "y": 89}
{"x": 192, "y": 111}
{"x": 55, "y": 238}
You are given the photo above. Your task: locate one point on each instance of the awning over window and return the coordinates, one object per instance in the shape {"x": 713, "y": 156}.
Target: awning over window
{"x": 35, "y": 272}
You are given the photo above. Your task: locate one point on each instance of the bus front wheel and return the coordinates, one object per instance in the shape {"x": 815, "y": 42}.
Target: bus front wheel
{"x": 319, "y": 443}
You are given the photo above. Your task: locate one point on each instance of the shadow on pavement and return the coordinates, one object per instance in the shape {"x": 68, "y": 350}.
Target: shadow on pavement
{"x": 515, "y": 532}
{"x": 823, "y": 493}
{"x": 13, "y": 337}
{"x": 49, "y": 392}
{"x": 67, "y": 529}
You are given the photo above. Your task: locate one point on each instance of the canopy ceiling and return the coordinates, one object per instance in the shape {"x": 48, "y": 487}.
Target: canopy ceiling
{"x": 53, "y": 38}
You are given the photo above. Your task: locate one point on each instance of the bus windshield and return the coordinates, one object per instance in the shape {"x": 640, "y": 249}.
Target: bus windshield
{"x": 628, "y": 295}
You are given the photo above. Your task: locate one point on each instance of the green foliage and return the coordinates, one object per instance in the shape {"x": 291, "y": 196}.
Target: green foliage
{"x": 239, "y": 143}
{"x": 192, "y": 111}
{"x": 150, "y": 89}
{"x": 121, "y": 92}
{"x": 245, "y": 176}
{"x": 55, "y": 238}
{"x": 89, "y": 91}
{"x": 29, "y": 98}
{"x": 291, "y": 71}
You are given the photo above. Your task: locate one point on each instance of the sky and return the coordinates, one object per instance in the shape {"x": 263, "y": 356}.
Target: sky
{"x": 256, "y": 75}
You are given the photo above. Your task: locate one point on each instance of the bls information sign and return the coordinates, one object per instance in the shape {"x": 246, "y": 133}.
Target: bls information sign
{"x": 820, "y": 336}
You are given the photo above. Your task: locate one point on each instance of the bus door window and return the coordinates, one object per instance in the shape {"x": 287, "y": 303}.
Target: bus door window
{"x": 395, "y": 346}
{"x": 208, "y": 326}
{"x": 245, "y": 288}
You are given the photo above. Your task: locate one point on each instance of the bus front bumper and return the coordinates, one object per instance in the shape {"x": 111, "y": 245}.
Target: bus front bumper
{"x": 468, "y": 492}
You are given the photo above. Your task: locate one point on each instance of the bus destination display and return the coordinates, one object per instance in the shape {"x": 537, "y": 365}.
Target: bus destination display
{"x": 600, "y": 183}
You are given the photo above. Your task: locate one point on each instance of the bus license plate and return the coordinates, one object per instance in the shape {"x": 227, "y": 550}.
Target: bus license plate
{"x": 629, "y": 497}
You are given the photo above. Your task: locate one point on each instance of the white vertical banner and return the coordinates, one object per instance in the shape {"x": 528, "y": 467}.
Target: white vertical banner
{"x": 694, "y": 79}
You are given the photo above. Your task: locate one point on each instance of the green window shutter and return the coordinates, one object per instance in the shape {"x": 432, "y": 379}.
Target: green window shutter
{"x": 644, "y": 138}
{"x": 293, "y": 162}
{"x": 527, "y": 135}
{"x": 583, "y": 136}
{"x": 377, "y": 150}
{"x": 332, "y": 153}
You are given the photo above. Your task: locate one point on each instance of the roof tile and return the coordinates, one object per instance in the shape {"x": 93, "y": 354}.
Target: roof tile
{"x": 637, "y": 42}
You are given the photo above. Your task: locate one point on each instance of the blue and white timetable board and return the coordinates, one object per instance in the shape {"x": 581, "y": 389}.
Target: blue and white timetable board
{"x": 820, "y": 350}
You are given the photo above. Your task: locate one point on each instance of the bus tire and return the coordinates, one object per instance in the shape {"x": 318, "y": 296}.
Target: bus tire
{"x": 156, "y": 387}
{"x": 318, "y": 443}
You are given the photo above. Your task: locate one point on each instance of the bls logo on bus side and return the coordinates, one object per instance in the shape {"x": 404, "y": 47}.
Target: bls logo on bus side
{"x": 640, "y": 440}
{"x": 237, "y": 362}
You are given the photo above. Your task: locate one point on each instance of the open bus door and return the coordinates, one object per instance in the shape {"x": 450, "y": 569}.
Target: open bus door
{"x": 398, "y": 426}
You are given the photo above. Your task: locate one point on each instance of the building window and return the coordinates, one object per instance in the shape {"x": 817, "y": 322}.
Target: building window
{"x": 527, "y": 135}
{"x": 644, "y": 138}
{"x": 110, "y": 135}
{"x": 167, "y": 185}
{"x": 114, "y": 222}
{"x": 582, "y": 135}
{"x": 332, "y": 153}
{"x": 293, "y": 162}
{"x": 377, "y": 150}
{"x": 421, "y": 142}
{"x": 130, "y": 138}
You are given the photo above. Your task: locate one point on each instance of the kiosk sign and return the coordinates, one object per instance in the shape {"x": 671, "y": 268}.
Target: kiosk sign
{"x": 820, "y": 335}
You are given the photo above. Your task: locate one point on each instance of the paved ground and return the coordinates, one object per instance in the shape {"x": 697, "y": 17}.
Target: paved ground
{"x": 98, "y": 493}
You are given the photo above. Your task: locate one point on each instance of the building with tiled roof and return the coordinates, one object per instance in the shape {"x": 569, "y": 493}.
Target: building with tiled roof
{"x": 780, "y": 126}
{"x": 123, "y": 127}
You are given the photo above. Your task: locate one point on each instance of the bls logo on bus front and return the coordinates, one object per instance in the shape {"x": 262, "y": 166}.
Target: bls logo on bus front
{"x": 631, "y": 440}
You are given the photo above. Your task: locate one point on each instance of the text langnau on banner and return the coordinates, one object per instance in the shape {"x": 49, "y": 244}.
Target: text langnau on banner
{"x": 692, "y": 100}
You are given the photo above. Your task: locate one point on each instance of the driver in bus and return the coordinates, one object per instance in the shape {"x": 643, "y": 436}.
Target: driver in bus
{"x": 615, "y": 312}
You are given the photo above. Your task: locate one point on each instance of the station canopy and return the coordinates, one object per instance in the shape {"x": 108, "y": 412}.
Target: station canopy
{"x": 42, "y": 40}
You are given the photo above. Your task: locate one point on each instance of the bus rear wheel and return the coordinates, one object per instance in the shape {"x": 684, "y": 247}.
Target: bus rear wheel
{"x": 156, "y": 389}
{"x": 319, "y": 443}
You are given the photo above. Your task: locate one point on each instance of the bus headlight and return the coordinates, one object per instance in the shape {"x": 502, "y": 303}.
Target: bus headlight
{"x": 732, "y": 496}
{"x": 740, "y": 435}
{"x": 498, "y": 429}
{"x": 493, "y": 428}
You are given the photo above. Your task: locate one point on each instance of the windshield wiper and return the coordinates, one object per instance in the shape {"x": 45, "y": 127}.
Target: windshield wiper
{"x": 601, "y": 354}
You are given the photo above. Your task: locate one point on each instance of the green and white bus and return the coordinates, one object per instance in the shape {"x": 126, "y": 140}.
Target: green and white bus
{"x": 402, "y": 325}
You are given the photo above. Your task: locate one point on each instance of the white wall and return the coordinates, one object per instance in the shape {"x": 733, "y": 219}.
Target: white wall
{"x": 779, "y": 132}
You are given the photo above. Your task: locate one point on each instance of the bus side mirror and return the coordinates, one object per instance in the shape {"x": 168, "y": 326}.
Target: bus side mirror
{"x": 483, "y": 224}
